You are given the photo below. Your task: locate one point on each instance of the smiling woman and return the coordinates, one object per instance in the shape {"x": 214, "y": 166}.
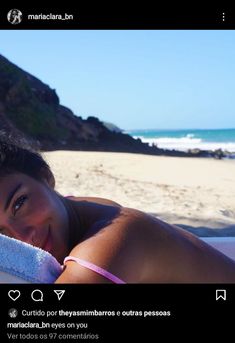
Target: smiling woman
{"x": 98, "y": 240}
{"x": 30, "y": 211}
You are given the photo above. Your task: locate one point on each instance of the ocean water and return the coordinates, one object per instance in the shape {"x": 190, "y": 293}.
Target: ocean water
{"x": 188, "y": 139}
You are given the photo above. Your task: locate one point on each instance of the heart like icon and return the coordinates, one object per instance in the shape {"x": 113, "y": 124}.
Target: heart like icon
{"x": 14, "y": 294}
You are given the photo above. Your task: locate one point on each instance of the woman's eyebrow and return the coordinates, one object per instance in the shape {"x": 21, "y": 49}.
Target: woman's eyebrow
{"x": 12, "y": 193}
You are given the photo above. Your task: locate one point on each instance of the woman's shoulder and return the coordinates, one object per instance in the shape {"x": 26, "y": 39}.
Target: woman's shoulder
{"x": 115, "y": 245}
{"x": 98, "y": 200}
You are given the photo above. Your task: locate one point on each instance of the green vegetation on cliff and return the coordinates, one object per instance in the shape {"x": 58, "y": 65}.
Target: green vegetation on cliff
{"x": 31, "y": 105}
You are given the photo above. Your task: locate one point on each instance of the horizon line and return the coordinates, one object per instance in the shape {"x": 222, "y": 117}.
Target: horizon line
{"x": 180, "y": 129}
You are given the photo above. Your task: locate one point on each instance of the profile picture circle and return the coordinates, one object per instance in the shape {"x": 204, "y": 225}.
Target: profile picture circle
{"x": 12, "y": 313}
{"x": 14, "y": 16}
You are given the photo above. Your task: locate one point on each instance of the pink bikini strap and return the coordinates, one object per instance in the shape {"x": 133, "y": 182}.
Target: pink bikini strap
{"x": 95, "y": 268}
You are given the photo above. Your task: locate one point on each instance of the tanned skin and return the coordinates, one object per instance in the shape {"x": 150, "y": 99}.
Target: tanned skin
{"x": 139, "y": 248}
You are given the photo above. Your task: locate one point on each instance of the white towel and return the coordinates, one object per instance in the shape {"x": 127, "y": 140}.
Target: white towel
{"x": 26, "y": 262}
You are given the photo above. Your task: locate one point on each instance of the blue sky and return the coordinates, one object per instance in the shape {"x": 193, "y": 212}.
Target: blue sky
{"x": 135, "y": 79}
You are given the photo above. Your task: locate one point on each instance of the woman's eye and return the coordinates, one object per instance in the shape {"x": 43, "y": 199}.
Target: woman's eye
{"x": 18, "y": 203}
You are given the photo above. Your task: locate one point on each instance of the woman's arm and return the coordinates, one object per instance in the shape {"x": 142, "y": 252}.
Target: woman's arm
{"x": 139, "y": 248}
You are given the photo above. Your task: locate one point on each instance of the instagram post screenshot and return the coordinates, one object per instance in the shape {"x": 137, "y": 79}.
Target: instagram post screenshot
{"x": 117, "y": 172}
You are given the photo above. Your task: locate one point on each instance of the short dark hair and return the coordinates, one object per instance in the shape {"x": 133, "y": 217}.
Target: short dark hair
{"x": 19, "y": 156}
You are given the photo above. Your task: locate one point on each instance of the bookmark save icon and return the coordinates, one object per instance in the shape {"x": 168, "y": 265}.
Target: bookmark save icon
{"x": 59, "y": 293}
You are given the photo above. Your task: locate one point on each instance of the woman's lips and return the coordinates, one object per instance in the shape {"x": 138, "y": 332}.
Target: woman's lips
{"x": 48, "y": 241}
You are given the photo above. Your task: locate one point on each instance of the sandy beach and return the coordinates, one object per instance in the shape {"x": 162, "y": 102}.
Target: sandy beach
{"x": 196, "y": 193}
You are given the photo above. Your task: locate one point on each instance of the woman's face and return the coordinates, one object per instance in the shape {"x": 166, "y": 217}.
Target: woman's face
{"x": 32, "y": 212}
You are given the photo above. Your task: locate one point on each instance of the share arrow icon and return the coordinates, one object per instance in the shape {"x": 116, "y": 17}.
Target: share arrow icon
{"x": 59, "y": 293}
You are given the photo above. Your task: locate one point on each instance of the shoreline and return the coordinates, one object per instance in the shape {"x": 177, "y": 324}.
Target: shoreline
{"x": 217, "y": 142}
